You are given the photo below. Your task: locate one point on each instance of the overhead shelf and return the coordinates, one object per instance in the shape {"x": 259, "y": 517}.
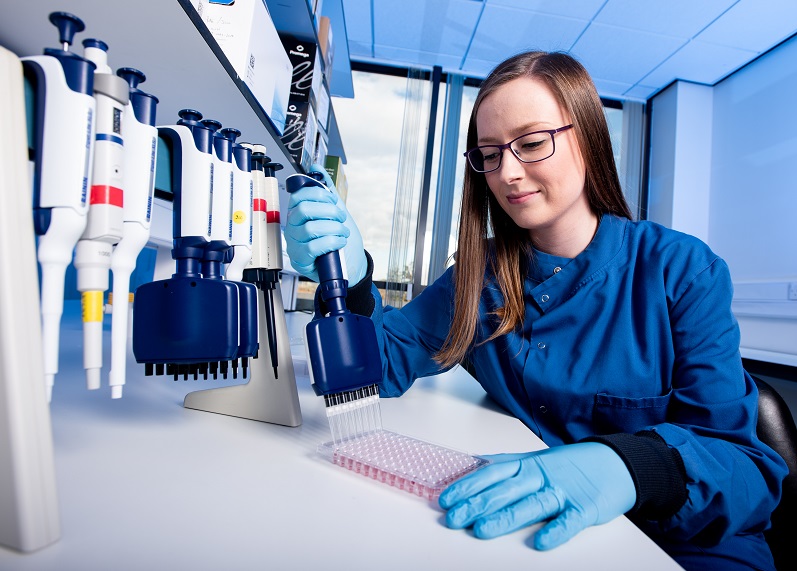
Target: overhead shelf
{"x": 294, "y": 17}
{"x": 184, "y": 65}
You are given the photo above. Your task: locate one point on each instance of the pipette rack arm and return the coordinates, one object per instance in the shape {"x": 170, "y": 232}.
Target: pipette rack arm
{"x": 29, "y": 517}
{"x": 263, "y": 398}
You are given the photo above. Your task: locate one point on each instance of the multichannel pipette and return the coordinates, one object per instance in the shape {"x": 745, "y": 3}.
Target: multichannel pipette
{"x": 140, "y": 155}
{"x": 220, "y": 249}
{"x": 242, "y": 197}
{"x": 104, "y": 227}
{"x": 265, "y": 263}
{"x": 217, "y": 250}
{"x": 63, "y": 142}
{"x": 344, "y": 359}
{"x": 191, "y": 324}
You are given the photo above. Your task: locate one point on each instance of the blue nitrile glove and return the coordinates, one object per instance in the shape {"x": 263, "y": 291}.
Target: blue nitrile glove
{"x": 318, "y": 223}
{"x": 575, "y": 486}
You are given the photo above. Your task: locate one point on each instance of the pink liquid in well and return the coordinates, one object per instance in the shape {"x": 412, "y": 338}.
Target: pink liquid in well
{"x": 406, "y": 463}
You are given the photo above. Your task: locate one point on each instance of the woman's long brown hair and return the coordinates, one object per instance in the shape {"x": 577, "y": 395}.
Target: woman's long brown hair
{"x": 572, "y": 86}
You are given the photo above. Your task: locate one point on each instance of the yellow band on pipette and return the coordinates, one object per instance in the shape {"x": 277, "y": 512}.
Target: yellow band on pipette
{"x": 92, "y": 306}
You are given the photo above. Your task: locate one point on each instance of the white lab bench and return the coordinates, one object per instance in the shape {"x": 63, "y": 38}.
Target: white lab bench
{"x": 144, "y": 483}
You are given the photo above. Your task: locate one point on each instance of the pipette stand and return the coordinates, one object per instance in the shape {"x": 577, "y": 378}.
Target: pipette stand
{"x": 263, "y": 398}
{"x": 28, "y": 499}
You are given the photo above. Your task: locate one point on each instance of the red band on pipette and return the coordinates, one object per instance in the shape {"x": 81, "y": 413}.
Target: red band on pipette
{"x": 104, "y": 194}
{"x": 259, "y": 205}
{"x": 273, "y": 216}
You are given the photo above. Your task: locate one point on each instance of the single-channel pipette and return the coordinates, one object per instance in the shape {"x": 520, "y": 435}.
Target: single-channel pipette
{"x": 104, "y": 227}
{"x": 265, "y": 263}
{"x": 140, "y": 155}
{"x": 63, "y": 141}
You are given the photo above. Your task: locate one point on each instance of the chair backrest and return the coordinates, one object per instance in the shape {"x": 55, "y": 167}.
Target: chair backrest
{"x": 777, "y": 429}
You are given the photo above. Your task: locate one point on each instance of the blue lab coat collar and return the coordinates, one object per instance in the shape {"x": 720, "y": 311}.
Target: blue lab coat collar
{"x": 547, "y": 290}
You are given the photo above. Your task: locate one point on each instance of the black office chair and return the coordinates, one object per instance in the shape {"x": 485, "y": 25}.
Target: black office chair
{"x": 776, "y": 428}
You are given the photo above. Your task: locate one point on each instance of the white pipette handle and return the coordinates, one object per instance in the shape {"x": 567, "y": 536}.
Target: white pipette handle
{"x": 55, "y": 254}
{"x": 122, "y": 265}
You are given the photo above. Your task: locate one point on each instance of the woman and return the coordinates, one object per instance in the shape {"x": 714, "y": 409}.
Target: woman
{"x": 612, "y": 340}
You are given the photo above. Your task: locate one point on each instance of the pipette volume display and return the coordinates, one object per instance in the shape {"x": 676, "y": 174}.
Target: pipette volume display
{"x": 401, "y": 461}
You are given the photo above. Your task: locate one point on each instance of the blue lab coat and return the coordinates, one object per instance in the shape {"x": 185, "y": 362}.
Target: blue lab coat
{"x": 634, "y": 335}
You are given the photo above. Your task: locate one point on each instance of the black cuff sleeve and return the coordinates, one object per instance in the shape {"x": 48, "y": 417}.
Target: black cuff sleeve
{"x": 657, "y": 470}
{"x": 359, "y": 298}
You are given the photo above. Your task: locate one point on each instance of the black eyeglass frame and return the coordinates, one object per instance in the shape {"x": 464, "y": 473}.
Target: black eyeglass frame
{"x": 505, "y": 146}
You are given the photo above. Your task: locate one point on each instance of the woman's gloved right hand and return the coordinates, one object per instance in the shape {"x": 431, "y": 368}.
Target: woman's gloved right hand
{"x": 318, "y": 223}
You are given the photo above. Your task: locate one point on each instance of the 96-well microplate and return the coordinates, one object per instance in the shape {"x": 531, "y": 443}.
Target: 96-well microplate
{"x": 401, "y": 461}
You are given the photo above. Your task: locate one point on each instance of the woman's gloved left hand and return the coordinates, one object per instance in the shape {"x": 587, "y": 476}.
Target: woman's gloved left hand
{"x": 575, "y": 486}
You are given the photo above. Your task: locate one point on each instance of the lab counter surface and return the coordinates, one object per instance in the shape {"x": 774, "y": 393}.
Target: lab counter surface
{"x": 144, "y": 483}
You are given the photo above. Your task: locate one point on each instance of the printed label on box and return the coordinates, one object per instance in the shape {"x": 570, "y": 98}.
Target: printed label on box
{"x": 303, "y": 58}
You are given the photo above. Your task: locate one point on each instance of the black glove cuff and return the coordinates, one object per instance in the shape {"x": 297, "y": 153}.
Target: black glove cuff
{"x": 657, "y": 470}
{"x": 359, "y": 298}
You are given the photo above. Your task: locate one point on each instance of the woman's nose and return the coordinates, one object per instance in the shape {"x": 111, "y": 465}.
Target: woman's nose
{"x": 511, "y": 168}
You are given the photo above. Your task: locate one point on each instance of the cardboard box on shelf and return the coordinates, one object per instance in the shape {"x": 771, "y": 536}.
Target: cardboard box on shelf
{"x": 334, "y": 167}
{"x": 299, "y": 137}
{"x": 307, "y": 67}
{"x": 326, "y": 45}
{"x": 249, "y": 40}
{"x": 322, "y": 105}
{"x": 321, "y": 147}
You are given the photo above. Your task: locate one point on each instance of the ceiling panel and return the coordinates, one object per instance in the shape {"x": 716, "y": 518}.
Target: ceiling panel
{"x": 699, "y": 62}
{"x": 754, "y": 25}
{"x": 358, "y": 22}
{"x": 480, "y": 67}
{"x": 679, "y": 18}
{"x": 361, "y": 50}
{"x": 503, "y": 32}
{"x": 443, "y": 26}
{"x": 638, "y": 92}
{"x": 581, "y": 9}
{"x": 611, "y": 89}
{"x": 632, "y": 48}
{"x": 424, "y": 59}
{"x": 605, "y": 50}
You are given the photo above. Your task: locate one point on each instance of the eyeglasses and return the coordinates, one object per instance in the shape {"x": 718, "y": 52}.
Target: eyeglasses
{"x": 528, "y": 148}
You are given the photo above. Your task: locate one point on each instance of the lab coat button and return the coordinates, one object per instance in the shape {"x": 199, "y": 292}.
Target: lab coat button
{"x": 541, "y": 345}
{"x": 557, "y": 269}
{"x": 544, "y": 298}
{"x": 543, "y": 410}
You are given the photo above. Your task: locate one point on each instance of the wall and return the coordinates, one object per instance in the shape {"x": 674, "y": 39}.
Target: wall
{"x": 723, "y": 165}
{"x": 753, "y": 215}
{"x": 681, "y": 123}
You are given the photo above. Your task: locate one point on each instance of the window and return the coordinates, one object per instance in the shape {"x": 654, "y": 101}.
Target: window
{"x": 373, "y": 126}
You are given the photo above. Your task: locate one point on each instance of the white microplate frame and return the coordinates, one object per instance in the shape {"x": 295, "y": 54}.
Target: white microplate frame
{"x": 416, "y": 466}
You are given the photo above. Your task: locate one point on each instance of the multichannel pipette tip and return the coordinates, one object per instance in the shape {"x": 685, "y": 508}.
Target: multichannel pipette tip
{"x": 353, "y": 413}
{"x": 406, "y": 463}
